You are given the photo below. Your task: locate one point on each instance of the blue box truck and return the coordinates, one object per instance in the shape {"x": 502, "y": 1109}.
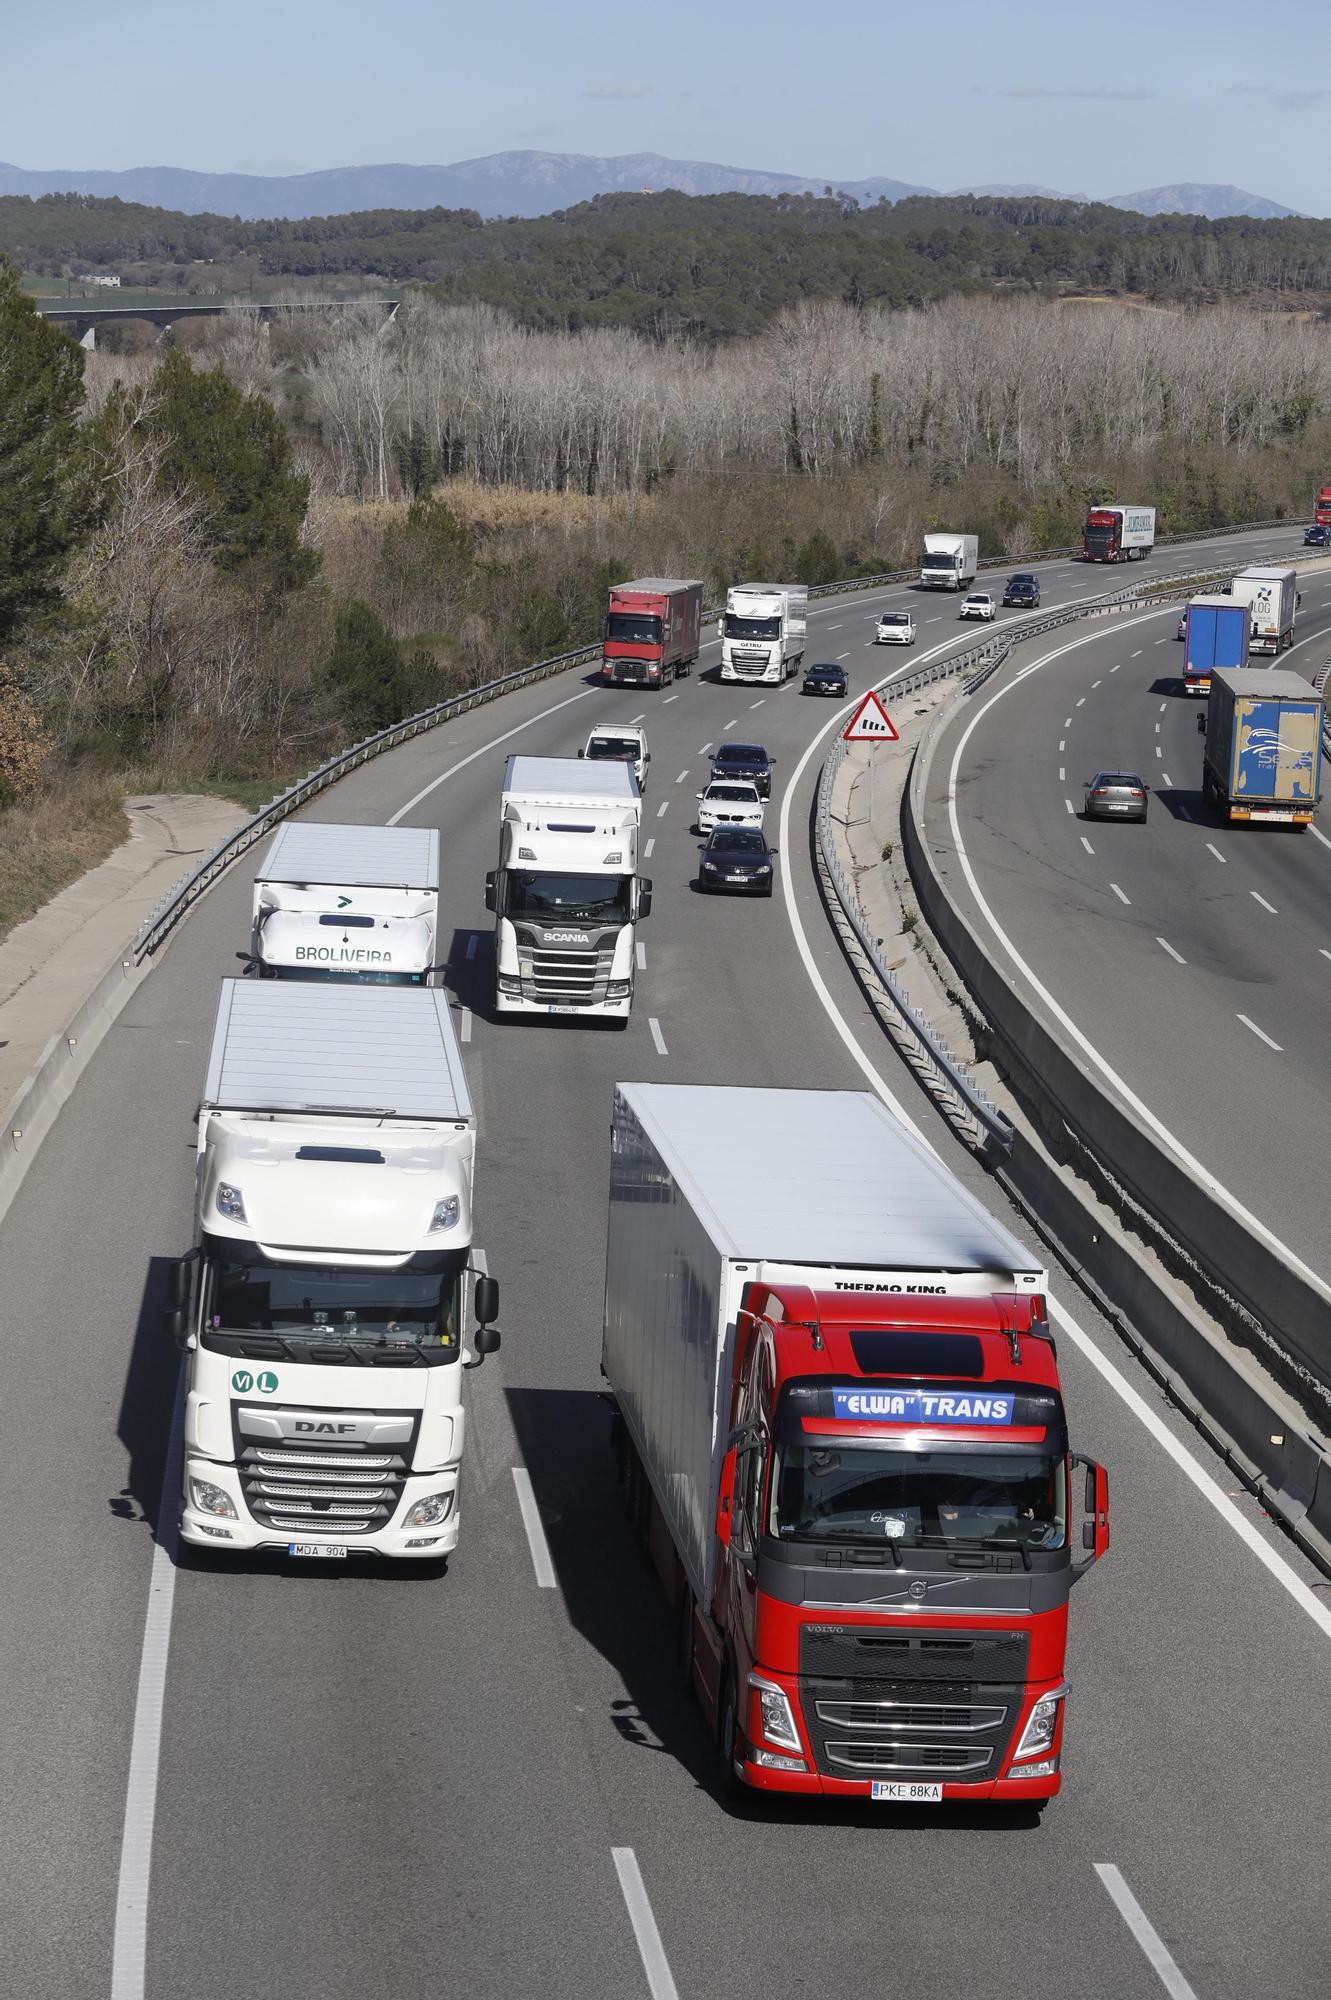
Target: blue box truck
{"x": 1263, "y": 757}
{"x": 1217, "y": 636}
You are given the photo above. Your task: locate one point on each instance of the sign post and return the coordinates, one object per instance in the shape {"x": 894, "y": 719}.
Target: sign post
{"x": 870, "y": 724}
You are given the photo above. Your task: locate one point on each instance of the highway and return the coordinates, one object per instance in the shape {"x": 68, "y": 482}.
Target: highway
{"x": 355, "y": 1781}
{"x": 1194, "y": 956}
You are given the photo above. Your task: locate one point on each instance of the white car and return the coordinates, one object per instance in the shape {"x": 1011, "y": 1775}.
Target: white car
{"x": 620, "y": 743}
{"x": 978, "y": 605}
{"x": 895, "y": 628}
{"x": 729, "y": 802}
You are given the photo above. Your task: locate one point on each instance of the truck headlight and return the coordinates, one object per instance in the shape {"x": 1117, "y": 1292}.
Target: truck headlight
{"x": 508, "y": 984}
{"x": 210, "y": 1499}
{"x": 618, "y": 989}
{"x": 778, "y": 1721}
{"x": 430, "y": 1511}
{"x": 445, "y": 1213}
{"x": 230, "y": 1202}
{"x": 1038, "y": 1735}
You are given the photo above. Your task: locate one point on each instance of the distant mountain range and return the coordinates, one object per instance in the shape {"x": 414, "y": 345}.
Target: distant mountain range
{"x": 531, "y": 183}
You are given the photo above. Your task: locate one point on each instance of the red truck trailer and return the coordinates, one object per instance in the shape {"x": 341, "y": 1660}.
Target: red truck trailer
{"x": 840, "y": 1430}
{"x": 652, "y": 631}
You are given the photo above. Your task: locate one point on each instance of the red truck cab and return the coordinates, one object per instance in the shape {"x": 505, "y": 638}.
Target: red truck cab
{"x": 900, "y": 1522}
{"x": 1322, "y": 510}
{"x": 652, "y": 631}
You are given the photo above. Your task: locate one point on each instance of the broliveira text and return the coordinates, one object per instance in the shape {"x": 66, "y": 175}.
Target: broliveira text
{"x": 841, "y": 1433}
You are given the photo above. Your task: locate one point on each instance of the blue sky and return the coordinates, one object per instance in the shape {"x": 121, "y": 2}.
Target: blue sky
{"x": 1096, "y": 99}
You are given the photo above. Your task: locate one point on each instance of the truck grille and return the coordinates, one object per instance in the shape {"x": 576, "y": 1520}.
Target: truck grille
{"x": 344, "y": 1487}
{"x": 960, "y": 1762}
{"x": 880, "y": 1702}
{"x": 569, "y": 978}
{"x": 914, "y": 1654}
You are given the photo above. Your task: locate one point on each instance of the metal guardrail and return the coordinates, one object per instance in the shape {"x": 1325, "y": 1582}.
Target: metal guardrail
{"x": 158, "y": 927}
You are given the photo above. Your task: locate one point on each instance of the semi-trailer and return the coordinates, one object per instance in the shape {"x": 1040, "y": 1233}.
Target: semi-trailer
{"x": 652, "y": 631}
{"x": 1263, "y": 755}
{"x": 1216, "y": 636}
{"x": 949, "y": 562}
{"x": 566, "y": 896}
{"x": 1272, "y": 598}
{"x": 763, "y": 631}
{"x": 322, "y": 1307}
{"x": 347, "y": 902}
{"x": 1118, "y": 534}
{"x": 839, "y": 1426}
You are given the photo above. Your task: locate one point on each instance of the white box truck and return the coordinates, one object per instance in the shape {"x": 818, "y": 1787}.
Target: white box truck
{"x": 566, "y": 895}
{"x": 322, "y": 1307}
{"x": 1118, "y": 534}
{"x": 841, "y": 1435}
{"x": 348, "y": 902}
{"x": 763, "y": 632}
{"x": 1272, "y": 598}
{"x": 949, "y": 561}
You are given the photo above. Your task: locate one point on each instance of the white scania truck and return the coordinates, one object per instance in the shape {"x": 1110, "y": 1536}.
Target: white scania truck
{"x": 322, "y": 1307}
{"x": 763, "y": 632}
{"x": 348, "y": 902}
{"x": 566, "y": 894}
{"x": 949, "y": 562}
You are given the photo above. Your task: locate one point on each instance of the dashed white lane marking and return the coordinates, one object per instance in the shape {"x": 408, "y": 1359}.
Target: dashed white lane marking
{"x": 1119, "y": 893}
{"x": 1183, "y": 813}
{"x": 1162, "y": 642}
{"x": 1163, "y": 706}
{"x": 1081, "y": 703}
{"x": 1170, "y": 782}
{"x": 663, "y": 809}
{"x": 706, "y": 750}
{"x": 1157, "y": 728}
{"x": 1071, "y": 808}
{"x": 637, "y": 718}
{"x": 843, "y": 656}
{"x": 1114, "y": 670}
{"x": 1087, "y": 845}
{"x": 668, "y": 699}
{"x": 1262, "y": 900}
{"x": 660, "y": 1980}
{"x": 1067, "y": 722}
{"x": 1062, "y": 742}
{"x": 758, "y": 704}
{"x": 657, "y": 1036}
{"x": 1261, "y": 1034}
{"x": 1177, "y": 956}
{"x": 1158, "y": 751}
{"x": 834, "y": 628}
{"x": 1148, "y": 1937}
{"x": 1137, "y": 655}
{"x": 1325, "y": 953}
{"x": 464, "y": 1032}
{"x": 1216, "y": 851}
{"x": 1094, "y": 685}
{"x": 935, "y": 621}
{"x": 733, "y": 720}
{"x": 531, "y": 1521}
{"x": 1317, "y": 834}
{"x": 472, "y": 943}
{"x": 682, "y": 776}
{"x": 640, "y": 954}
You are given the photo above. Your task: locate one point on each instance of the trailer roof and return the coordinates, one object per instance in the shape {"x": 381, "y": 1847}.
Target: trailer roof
{"x": 574, "y": 778}
{"x": 823, "y": 1176}
{"x": 359, "y": 857}
{"x": 1266, "y": 572}
{"x": 1267, "y": 683}
{"x": 660, "y": 583}
{"x": 286, "y": 1046}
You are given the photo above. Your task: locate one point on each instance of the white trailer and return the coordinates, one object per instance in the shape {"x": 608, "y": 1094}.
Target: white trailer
{"x": 1272, "y": 597}
{"x": 566, "y": 895}
{"x": 763, "y": 632}
{"x": 322, "y": 1307}
{"x": 949, "y": 561}
{"x": 348, "y": 902}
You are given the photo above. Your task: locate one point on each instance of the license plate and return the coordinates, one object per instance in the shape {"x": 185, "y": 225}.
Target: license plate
{"x": 330, "y": 1551}
{"x": 1278, "y": 815}
{"x": 737, "y": 878}
{"x": 909, "y": 1795}
{"x": 560, "y": 1010}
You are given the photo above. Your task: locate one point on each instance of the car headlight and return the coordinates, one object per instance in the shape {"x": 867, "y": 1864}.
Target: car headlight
{"x": 445, "y": 1214}
{"x": 763, "y": 868}
{"x": 1038, "y": 1735}
{"x": 430, "y": 1511}
{"x": 709, "y": 868}
{"x": 210, "y": 1499}
{"x": 777, "y": 1717}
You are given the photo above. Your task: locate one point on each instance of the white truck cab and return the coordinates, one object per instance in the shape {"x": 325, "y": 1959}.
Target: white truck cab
{"x": 340, "y": 903}
{"x": 620, "y": 742}
{"x": 763, "y": 631}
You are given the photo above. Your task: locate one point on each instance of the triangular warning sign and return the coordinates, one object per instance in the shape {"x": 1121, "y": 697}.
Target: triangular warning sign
{"x": 870, "y": 723}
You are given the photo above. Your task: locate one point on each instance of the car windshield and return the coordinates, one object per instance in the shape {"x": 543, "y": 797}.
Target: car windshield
{"x": 943, "y": 1495}
{"x": 622, "y": 747}
{"x": 741, "y": 794}
{"x": 256, "y": 1305}
{"x": 741, "y": 840}
{"x": 633, "y": 628}
{"x": 602, "y": 898}
{"x": 752, "y": 628}
{"x": 741, "y": 753}
{"x": 893, "y": 618}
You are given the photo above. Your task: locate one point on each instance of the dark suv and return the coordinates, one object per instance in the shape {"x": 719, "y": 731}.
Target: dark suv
{"x": 745, "y": 760}
{"x": 1023, "y": 590}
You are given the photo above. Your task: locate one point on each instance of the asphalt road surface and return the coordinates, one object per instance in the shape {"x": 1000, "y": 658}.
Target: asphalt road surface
{"x": 368, "y": 1781}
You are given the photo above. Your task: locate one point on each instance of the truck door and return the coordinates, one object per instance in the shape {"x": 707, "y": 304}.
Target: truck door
{"x": 750, "y": 1469}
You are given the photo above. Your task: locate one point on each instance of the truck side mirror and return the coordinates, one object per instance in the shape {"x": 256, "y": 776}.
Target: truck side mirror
{"x": 173, "y": 1323}
{"x": 1095, "y": 1527}
{"x": 485, "y": 1299}
{"x": 177, "y": 1282}
{"x": 644, "y": 898}
{"x": 492, "y": 891}
{"x": 725, "y": 1501}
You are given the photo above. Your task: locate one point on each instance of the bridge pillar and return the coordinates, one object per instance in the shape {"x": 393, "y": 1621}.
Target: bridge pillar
{"x": 88, "y": 337}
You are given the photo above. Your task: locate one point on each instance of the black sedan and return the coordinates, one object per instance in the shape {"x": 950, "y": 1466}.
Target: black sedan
{"x": 737, "y": 859}
{"x": 1023, "y": 590}
{"x": 1318, "y": 536}
{"x": 745, "y": 760}
{"x": 824, "y": 678}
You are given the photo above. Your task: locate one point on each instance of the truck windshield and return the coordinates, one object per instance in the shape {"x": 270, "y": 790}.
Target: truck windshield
{"x": 635, "y": 628}
{"x": 752, "y": 628}
{"x": 934, "y": 560}
{"x": 259, "y": 1306}
{"x": 948, "y": 1494}
{"x": 596, "y": 898}
{"x": 330, "y": 976}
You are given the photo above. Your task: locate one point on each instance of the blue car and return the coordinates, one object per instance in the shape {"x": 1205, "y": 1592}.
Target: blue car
{"x": 1317, "y": 537}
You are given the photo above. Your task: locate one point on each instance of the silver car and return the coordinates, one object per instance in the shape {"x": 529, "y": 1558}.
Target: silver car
{"x": 1116, "y": 795}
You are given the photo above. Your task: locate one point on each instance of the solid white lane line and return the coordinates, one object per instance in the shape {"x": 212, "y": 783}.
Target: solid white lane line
{"x": 1119, "y": 893}
{"x": 1216, "y": 851}
{"x": 484, "y": 751}
{"x": 682, "y": 776}
{"x": 758, "y": 704}
{"x": 663, "y": 809}
{"x": 1147, "y": 1936}
{"x": 647, "y": 851}
{"x": 1087, "y": 845}
{"x": 1317, "y": 834}
{"x": 1071, "y": 808}
{"x": 660, "y": 1980}
{"x": 472, "y": 943}
{"x": 464, "y": 1033}
{"x": 657, "y": 1036}
{"x": 532, "y": 1522}
{"x": 1265, "y": 905}
{"x": 640, "y": 954}
{"x": 1177, "y": 956}
{"x": 129, "y": 1950}
{"x": 1261, "y": 1034}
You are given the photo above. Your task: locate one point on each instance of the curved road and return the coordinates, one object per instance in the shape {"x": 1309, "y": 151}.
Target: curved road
{"x": 371, "y": 1781}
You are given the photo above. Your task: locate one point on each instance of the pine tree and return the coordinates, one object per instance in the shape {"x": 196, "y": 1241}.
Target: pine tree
{"x": 46, "y": 495}
{"x": 365, "y": 670}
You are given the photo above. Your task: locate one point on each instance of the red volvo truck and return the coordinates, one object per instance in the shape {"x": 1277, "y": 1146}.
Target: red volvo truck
{"x": 652, "y": 631}
{"x": 840, "y": 1430}
{"x": 1118, "y": 534}
{"x": 1322, "y": 507}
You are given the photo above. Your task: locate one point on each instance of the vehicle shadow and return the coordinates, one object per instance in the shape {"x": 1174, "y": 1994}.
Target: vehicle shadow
{"x": 1168, "y": 684}
{"x": 470, "y": 979}
{"x": 147, "y": 1408}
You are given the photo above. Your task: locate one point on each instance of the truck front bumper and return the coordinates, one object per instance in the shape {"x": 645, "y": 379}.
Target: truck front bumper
{"x": 592, "y": 1010}
{"x": 244, "y": 1534}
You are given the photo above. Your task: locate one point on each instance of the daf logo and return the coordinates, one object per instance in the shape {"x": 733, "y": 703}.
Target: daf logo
{"x": 308, "y": 1427}
{"x": 918, "y": 1590}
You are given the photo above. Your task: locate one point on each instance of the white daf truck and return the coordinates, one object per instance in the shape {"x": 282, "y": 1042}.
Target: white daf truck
{"x": 763, "y": 632}
{"x": 566, "y": 895}
{"x": 348, "y": 902}
{"x": 949, "y": 562}
{"x": 321, "y": 1309}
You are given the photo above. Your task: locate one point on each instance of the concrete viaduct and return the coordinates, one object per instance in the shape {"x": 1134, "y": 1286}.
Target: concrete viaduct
{"x": 83, "y": 321}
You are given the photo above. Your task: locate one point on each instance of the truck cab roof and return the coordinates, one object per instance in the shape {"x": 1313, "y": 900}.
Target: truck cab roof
{"x": 574, "y": 780}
